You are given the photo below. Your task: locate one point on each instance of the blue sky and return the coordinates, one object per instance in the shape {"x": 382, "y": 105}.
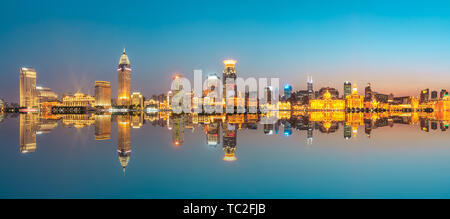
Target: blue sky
{"x": 399, "y": 46}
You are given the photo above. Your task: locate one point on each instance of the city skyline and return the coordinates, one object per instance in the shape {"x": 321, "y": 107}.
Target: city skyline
{"x": 368, "y": 42}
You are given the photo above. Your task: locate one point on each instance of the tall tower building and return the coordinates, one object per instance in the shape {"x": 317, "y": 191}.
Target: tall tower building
{"x": 424, "y": 96}
{"x": 229, "y": 73}
{"x": 124, "y": 77}
{"x": 310, "y": 88}
{"x": 28, "y": 93}
{"x": 124, "y": 140}
{"x": 28, "y": 127}
{"x": 347, "y": 89}
{"x": 229, "y": 141}
{"x": 103, "y": 94}
{"x": 368, "y": 94}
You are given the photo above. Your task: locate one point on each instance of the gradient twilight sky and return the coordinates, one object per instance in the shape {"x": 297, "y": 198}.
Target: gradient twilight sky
{"x": 399, "y": 46}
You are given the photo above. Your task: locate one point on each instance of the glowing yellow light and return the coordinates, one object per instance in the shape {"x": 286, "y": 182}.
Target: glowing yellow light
{"x": 229, "y": 62}
{"x": 230, "y": 157}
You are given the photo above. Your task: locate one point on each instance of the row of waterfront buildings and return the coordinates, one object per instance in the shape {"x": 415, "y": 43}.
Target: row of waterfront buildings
{"x": 34, "y": 98}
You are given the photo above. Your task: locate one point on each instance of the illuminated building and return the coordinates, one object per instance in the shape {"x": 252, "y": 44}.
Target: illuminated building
{"x": 178, "y": 90}
{"x": 103, "y": 94}
{"x": 78, "y": 99}
{"x": 347, "y": 132}
{"x": 46, "y": 95}
{"x": 124, "y": 140}
{"x": 178, "y": 130}
{"x": 211, "y": 93}
{"x": 137, "y": 121}
{"x": 46, "y": 107}
{"x": 310, "y": 88}
{"x": 268, "y": 129}
{"x": 28, "y": 93}
{"x": 229, "y": 142}
{"x": 77, "y": 120}
{"x": 368, "y": 94}
{"x": 2, "y": 105}
{"x": 347, "y": 89}
{"x": 287, "y": 91}
{"x": 354, "y": 100}
{"x": 124, "y": 77}
{"x": 102, "y": 127}
{"x": 213, "y": 134}
{"x": 332, "y": 91}
{"x": 424, "y": 96}
{"x": 268, "y": 94}
{"x": 137, "y": 100}
{"x": 327, "y": 103}
{"x": 229, "y": 89}
{"x": 28, "y": 128}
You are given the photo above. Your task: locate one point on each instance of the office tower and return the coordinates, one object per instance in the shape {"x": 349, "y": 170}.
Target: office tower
{"x": 229, "y": 89}
{"x": 434, "y": 95}
{"x": 347, "y": 89}
{"x": 124, "y": 73}
{"x": 124, "y": 140}
{"x": 102, "y": 127}
{"x": 103, "y": 94}
{"x": 28, "y": 93}
{"x": 268, "y": 94}
{"x": 229, "y": 141}
{"x": 310, "y": 88}
{"x": 368, "y": 94}
{"x": 424, "y": 96}
{"x": 28, "y": 128}
{"x": 287, "y": 91}
{"x": 137, "y": 100}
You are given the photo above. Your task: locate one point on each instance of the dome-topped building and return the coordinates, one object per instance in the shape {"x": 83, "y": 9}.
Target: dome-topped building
{"x": 124, "y": 78}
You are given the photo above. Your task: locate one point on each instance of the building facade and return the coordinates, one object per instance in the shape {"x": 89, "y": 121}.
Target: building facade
{"x": 124, "y": 78}
{"x": 137, "y": 100}
{"x": 78, "y": 99}
{"x": 103, "y": 94}
{"x": 28, "y": 93}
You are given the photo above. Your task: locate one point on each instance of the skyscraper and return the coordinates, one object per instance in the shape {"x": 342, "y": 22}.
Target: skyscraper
{"x": 310, "y": 88}
{"x": 424, "y": 96}
{"x": 229, "y": 89}
{"x": 287, "y": 91}
{"x": 103, "y": 94}
{"x": 28, "y": 93}
{"x": 28, "y": 128}
{"x": 368, "y": 94}
{"x": 124, "y": 140}
{"x": 347, "y": 89}
{"x": 124, "y": 77}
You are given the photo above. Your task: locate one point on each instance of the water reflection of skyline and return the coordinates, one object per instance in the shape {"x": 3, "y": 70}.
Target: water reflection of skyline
{"x": 222, "y": 130}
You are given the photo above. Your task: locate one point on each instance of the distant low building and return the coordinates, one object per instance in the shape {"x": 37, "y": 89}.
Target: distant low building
{"x": 46, "y": 94}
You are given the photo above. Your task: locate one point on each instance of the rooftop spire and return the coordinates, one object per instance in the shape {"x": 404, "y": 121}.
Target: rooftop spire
{"x": 124, "y": 52}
